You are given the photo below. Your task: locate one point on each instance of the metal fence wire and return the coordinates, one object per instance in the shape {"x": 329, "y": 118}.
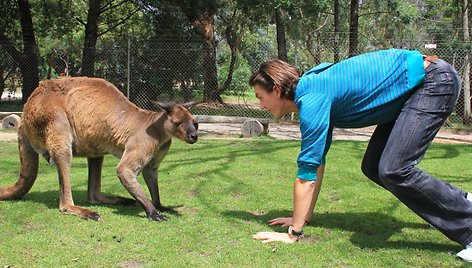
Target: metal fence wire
{"x": 175, "y": 70}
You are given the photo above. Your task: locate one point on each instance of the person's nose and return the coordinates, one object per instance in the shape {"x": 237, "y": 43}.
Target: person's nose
{"x": 262, "y": 105}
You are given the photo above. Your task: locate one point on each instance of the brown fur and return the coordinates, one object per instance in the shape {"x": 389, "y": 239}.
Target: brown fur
{"x": 90, "y": 117}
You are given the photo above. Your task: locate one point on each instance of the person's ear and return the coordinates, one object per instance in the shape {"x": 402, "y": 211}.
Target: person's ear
{"x": 277, "y": 90}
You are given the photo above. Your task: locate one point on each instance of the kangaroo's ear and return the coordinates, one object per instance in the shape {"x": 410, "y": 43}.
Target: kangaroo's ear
{"x": 189, "y": 105}
{"x": 165, "y": 106}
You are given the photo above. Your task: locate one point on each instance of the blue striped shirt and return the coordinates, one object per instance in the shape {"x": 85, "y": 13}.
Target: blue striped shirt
{"x": 368, "y": 89}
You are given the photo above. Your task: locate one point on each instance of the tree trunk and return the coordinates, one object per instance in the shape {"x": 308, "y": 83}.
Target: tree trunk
{"x": 2, "y": 81}
{"x": 353, "y": 28}
{"x": 210, "y": 76}
{"x": 233, "y": 37}
{"x": 314, "y": 53}
{"x": 91, "y": 36}
{"x": 281, "y": 41}
{"x": 467, "y": 106}
{"x": 29, "y": 60}
{"x": 336, "y": 31}
{"x": 205, "y": 25}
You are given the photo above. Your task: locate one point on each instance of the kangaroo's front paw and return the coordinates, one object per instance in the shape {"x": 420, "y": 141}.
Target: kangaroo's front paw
{"x": 157, "y": 217}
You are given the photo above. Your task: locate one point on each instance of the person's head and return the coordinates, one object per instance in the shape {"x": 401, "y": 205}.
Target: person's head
{"x": 274, "y": 84}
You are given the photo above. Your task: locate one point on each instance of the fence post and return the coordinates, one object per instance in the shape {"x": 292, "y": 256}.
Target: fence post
{"x": 128, "y": 71}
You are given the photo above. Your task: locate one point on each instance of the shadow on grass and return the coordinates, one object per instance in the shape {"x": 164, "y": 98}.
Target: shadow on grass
{"x": 442, "y": 151}
{"x": 51, "y": 200}
{"x": 371, "y": 230}
{"x": 230, "y": 152}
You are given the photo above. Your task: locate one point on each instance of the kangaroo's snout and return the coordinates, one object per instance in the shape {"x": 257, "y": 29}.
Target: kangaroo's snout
{"x": 192, "y": 138}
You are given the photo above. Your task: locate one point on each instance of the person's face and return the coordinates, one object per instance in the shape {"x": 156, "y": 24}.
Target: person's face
{"x": 270, "y": 101}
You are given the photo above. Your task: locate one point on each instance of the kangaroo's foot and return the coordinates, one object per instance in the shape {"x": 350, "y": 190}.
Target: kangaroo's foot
{"x": 81, "y": 212}
{"x": 114, "y": 200}
{"x": 156, "y": 216}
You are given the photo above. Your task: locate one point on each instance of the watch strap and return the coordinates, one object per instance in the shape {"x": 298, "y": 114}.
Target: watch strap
{"x": 293, "y": 232}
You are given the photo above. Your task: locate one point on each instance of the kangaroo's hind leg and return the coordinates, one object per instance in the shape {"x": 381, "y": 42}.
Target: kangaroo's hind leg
{"x": 94, "y": 192}
{"x": 59, "y": 143}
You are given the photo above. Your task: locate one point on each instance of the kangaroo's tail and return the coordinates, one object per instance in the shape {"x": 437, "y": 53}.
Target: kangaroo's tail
{"x": 28, "y": 169}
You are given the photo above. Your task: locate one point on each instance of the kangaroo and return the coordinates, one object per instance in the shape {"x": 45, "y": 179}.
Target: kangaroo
{"x": 90, "y": 117}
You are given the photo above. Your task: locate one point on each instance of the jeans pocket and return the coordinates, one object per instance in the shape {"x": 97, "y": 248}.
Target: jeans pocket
{"x": 439, "y": 93}
{"x": 439, "y": 101}
{"x": 439, "y": 83}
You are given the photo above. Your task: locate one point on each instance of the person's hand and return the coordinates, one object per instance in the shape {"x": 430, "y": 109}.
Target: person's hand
{"x": 268, "y": 237}
{"x": 285, "y": 222}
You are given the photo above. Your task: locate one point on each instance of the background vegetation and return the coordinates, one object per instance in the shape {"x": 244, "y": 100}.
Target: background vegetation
{"x": 193, "y": 49}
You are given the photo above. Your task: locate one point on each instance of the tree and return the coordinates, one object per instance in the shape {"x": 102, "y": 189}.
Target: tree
{"x": 92, "y": 29}
{"x": 91, "y": 36}
{"x": 167, "y": 63}
{"x": 311, "y": 18}
{"x": 281, "y": 40}
{"x": 201, "y": 14}
{"x": 235, "y": 26}
{"x": 202, "y": 17}
{"x": 353, "y": 27}
{"x": 27, "y": 59}
{"x": 267, "y": 12}
{"x": 336, "y": 30}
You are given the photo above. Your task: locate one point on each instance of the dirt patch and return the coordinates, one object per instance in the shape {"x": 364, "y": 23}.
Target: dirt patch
{"x": 290, "y": 131}
{"x": 8, "y": 136}
{"x": 259, "y": 213}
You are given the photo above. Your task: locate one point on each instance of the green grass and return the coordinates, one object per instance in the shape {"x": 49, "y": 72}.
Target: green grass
{"x": 227, "y": 190}
{"x": 247, "y": 95}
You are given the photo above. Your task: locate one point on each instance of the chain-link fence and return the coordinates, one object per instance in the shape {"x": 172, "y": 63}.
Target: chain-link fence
{"x": 184, "y": 70}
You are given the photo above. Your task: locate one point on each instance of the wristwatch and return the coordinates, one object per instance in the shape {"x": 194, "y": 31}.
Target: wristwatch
{"x": 293, "y": 232}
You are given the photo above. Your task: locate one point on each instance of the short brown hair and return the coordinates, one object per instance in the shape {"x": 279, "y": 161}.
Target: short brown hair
{"x": 276, "y": 73}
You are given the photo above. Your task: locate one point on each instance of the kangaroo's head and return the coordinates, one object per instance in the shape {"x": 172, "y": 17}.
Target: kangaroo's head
{"x": 180, "y": 122}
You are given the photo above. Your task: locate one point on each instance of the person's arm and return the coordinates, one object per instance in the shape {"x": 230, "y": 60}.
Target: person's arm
{"x": 285, "y": 222}
{"x": 314, "y": 109}
{"x": 316, "y": 185}
{"x": 305, "y": 195}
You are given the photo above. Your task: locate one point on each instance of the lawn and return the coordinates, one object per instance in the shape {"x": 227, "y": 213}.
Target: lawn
{"x": 226, "y": 191}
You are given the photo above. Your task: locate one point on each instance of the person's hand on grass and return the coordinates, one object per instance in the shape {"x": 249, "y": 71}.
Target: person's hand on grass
{"x": 268, "y": 237}
{"x": 285, "y": 222}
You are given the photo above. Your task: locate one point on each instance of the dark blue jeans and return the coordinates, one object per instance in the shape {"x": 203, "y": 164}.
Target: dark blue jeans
{"x": 396, "y": 148}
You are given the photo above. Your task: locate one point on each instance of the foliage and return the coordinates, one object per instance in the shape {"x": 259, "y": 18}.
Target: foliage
{"x": 11, "y": 106}
{"x": 224, "y": 198}
{"x": 240, "y": 76}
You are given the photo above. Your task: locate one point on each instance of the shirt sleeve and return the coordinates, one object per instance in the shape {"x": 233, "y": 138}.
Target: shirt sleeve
{"x": 314, "y": 109}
